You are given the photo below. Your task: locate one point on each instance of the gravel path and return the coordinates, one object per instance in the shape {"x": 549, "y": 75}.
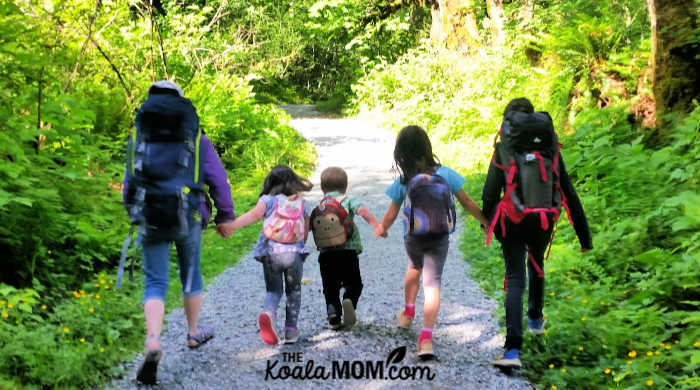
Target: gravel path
{"x": 465, "y": 338}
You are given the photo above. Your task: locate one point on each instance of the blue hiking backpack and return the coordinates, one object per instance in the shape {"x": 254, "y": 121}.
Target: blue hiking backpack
{"x": 163, "y": 170}
{"x": 429, "y": 207}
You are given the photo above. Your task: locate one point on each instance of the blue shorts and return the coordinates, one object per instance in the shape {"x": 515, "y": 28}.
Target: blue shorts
{"x": 156, "y": 259}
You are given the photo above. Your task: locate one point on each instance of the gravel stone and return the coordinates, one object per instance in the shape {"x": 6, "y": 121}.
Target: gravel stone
{"x": 465, "y": 338}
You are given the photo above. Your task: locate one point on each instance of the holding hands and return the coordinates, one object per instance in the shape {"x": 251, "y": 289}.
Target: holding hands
{"x": 225, "y": 229}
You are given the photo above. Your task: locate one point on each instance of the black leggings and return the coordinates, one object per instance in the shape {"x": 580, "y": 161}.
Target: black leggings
{"x": 521, "y": 238}
{"x": 340, "y": 268}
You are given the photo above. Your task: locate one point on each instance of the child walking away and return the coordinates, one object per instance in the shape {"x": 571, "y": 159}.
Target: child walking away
{"x": 280, "y": 247}
{"x": 426, "y": 189}
{"x": 339, "y": 244}
{"x": 529, "y": 169}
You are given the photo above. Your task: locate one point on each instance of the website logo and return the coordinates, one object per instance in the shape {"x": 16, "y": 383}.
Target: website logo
{"x": 293, "y": 366}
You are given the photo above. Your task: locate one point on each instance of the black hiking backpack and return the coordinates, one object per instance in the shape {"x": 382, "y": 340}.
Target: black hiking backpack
{"x": 529, "y": 152}
{"x": 529, "y": 156}
{"x": 163, "y": 170}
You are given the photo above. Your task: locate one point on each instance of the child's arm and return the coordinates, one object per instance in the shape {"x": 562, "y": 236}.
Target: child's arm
{"x": 307, "y": 227}
{"x": 472, "y": 208}
{"x": 388, "y": 219}
{"x": 371, "y": 219}
{"x": 252, "y": 216}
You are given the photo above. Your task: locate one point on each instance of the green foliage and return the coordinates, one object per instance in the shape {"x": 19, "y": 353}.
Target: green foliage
{"x": 80, "y": 342}
{"x": 71, "y": 75}
{"x": 248, "y": 137}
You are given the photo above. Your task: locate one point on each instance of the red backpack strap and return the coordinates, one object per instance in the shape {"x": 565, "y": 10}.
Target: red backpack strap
{"x": 502, "y": 206}
{"x": 539, "y": 271}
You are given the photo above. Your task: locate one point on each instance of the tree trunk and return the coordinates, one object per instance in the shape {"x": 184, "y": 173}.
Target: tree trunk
{"x": 454, "y": 24}
{"x": 495, "y": 12}
{"x": 675, "y": 67}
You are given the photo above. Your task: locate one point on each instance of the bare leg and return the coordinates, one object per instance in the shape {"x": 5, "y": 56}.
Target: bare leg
{"x": 193, "y": 306}
{"x": 153, "y": 310}
{"x": 411, "y": 284}
{"x": 430, "y": 306}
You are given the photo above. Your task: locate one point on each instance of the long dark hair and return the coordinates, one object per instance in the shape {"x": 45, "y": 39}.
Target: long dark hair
{"x": 283, "y": 180}
{"x": 413, "y": 153}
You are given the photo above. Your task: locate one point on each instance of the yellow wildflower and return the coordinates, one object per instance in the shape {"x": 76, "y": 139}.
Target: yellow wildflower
{"x": 696, "y": 344}
{"x": 66, "y": 330}
{"x": 676, "y": 342}
{"x": 661, "y": 345}
{"x": 554, "y": 387}
{"x": 10, "y": 306}
{"x": 4, "y": 314}
{"x": 585, "y": 300}
{"x": 91, "y": 310}
{"x": 649, "y": 353}
{"x": 569, "y": 297}
{"x": 602, "y": 303}
{"x": 563, "y": 370}
{"x": 551, "y": 366}
{"x": 102, "y": 349}
{"x": 649, "y": 382}
{"x": 43, "y": 307}
{"x": 632, "y": 354}
{"x": 629, "y": 362}
{"x": 667, "y": 347}
{"x": 656, "y": 352}
{"x": 2, "y": 303}
{"x": 551, "y": 294}
{"x": 583, "y": 318}
{"x": 551, "y": 270}
{"x": 580, "y": 347}
{"x": 97, "y": 296}
{"x": 607, "y": 371}
{"x": 82, "y": 339}
{"x": 102, "y": 281}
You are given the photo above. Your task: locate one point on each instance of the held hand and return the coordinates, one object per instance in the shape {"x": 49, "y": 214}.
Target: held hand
{"x": 380, "y": 232}
{"x": 225, "y": 229}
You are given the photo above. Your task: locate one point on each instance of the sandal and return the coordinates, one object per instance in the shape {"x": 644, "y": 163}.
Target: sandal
{"x": 149, "y": 368}
{"x": 203, "y": 335}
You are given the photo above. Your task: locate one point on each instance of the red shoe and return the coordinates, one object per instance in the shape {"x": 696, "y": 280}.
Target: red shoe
{"x": 267, "y": 329}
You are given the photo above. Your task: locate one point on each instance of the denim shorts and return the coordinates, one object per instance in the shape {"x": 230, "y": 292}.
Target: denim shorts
{"x": 156, "y": 259}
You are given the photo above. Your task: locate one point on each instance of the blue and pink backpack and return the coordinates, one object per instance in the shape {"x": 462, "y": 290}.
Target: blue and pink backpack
{"x": 429, "y": 208}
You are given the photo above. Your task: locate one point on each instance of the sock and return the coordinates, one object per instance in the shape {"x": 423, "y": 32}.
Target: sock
{"x": 410, "y": 310}
{"x": 425, "y": 334}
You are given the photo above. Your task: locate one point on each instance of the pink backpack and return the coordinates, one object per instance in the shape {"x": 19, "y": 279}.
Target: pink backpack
{"x": 286, "y": 223}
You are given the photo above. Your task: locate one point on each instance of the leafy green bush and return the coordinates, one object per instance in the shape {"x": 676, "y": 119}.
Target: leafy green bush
{"x": 80, "y": 342}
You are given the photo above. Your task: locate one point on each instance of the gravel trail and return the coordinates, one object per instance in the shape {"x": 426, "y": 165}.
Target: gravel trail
{"x": 465, "y": 338}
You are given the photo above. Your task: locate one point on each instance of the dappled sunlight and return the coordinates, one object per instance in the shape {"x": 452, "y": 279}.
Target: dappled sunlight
{"x": 453, "y": 312}
{"x": 328, "y": 344}
{"x": 461, "y": 333}
{"x": 262, "y": 353}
